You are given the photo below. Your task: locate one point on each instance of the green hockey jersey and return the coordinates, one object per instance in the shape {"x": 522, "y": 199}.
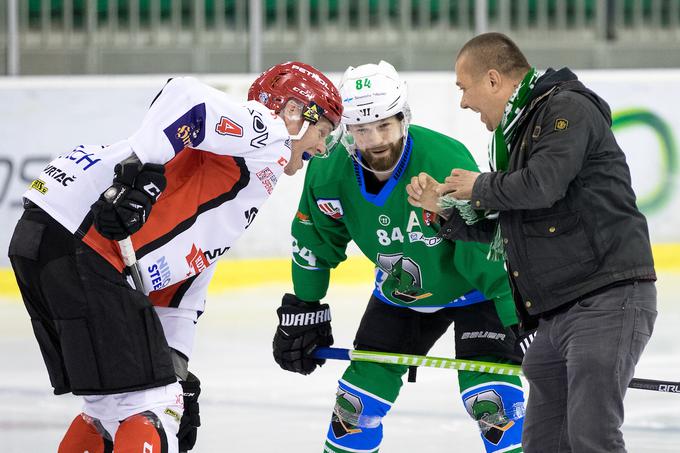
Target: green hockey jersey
{"x": 414, "y": 267}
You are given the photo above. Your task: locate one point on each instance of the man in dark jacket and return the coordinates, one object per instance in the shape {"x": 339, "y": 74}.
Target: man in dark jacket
{"x": 559, "y": 208}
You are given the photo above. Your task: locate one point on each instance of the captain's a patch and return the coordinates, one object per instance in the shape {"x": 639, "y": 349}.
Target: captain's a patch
{"x": 561, "y": 124}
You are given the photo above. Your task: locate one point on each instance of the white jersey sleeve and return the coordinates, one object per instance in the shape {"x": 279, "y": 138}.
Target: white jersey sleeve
{"x": 190, "y": 114}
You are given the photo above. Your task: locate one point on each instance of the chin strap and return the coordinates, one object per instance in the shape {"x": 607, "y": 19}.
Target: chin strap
{"x": 404, "y": 137}
{"x": 353, "y": 151}
{"x": 303, "y": 130}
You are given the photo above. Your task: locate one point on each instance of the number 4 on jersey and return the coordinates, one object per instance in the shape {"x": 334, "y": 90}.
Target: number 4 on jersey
{"x": 228, "y": 127}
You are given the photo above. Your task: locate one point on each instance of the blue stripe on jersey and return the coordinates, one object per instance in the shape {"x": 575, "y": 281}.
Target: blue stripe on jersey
{"x": 380, "y": 198}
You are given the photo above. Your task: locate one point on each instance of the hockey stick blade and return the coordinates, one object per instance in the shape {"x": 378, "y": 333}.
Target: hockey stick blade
{"x": 464, "y": 365}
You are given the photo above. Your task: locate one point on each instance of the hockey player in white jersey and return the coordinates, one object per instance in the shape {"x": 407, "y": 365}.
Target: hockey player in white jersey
{"x": 205, "y": 164}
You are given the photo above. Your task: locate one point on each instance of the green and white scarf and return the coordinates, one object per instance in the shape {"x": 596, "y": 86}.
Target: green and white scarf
{"x": 498, "y": 161}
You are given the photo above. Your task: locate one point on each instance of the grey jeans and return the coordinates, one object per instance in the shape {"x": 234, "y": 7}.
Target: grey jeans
{"x": 579, "y": 367}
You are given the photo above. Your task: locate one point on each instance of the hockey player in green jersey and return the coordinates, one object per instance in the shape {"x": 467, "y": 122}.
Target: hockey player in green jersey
{"x": 422, "y": 284}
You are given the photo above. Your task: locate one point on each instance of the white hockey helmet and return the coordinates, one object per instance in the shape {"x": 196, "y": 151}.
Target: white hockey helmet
{"x": 372, "y": 92}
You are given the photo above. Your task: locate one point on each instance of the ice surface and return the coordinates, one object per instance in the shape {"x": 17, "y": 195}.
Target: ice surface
{"x": 249, "y": 404}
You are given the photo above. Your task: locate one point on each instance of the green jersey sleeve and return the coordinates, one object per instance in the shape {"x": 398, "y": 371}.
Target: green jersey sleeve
{"x": 319, "y": 239}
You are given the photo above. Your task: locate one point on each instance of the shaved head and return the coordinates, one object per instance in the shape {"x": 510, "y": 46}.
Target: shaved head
{"x": 494, "y": 51}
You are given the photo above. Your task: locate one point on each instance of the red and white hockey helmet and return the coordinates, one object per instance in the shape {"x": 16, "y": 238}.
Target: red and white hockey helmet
{"x": 302, "y": 82}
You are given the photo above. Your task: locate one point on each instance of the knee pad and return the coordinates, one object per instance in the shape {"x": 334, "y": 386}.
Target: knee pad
{"x": 498, "y": 408}
{"x": 356, "y": 423}
{"x": 86, "y": 434}
{"x": 141, "y": 433}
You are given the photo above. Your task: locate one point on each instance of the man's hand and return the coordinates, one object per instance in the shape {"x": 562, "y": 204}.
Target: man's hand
{"x": 302, "y": 327}
{"x": 124, "y": 207}
{"x": 459, "y": 184}
{"x": 422, "y": 192}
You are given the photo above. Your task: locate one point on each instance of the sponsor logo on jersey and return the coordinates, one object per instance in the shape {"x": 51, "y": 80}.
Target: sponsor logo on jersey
{"x": 196, "y": 260}
{"x": 303, "y": 218}
{"x": 172, "y": 414}
{"x": 81, "y": 157}
{"x": 213, "y": 255}
{"x": 39, "y": 185}
{"x": 282, "y": 161}
{"x": 260, "y": 141}
{"x": 483, "y": 334}
{"x": 288, "y": 143}
{"x": 261, "y": 128}
{"x": 267, "y": 178}
{"x": 188, "y": 130}
{"x": 418, "y": 236}
{"x": 59, "y": 175}
{"x": 258, "y": 124}
{"x": 250, "y": 215}
{"x": 331, "y": 207}
{"x": 383, "y": 220}
{"x": 428, "y": 217}
{"x": 159, "y": 273}
{"x": 227, "y": 126}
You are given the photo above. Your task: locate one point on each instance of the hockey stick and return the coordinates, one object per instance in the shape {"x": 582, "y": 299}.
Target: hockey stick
{"x": 463, "y": 365}
{"x": 130, "y": 260}
{"x": 416, "y": 360}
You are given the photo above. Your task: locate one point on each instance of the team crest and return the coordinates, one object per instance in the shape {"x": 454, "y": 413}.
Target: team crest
{"x": 348, "y": 409}
{"x": 487, "y": 408}
{"x": 331, "y": 207}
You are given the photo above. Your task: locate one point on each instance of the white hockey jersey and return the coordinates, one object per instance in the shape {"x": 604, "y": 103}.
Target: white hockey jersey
{"x": 222, "y": 160}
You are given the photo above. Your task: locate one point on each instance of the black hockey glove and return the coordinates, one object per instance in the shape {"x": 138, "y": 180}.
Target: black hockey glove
{"x": 191, "y": 420}
{"x": 124, "y": 207}
{"x": 302, "y": 327}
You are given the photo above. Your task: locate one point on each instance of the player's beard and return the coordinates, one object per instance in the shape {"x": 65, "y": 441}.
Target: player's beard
{"x": 385, "y": 162}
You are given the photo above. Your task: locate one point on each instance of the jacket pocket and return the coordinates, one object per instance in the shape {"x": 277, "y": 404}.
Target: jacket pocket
{"x": 558, "y": 249}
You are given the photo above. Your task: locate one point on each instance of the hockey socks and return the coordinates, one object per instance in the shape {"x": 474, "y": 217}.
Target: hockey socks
{"x": 497, "y": 404}
{"x": 365, "y": 395}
